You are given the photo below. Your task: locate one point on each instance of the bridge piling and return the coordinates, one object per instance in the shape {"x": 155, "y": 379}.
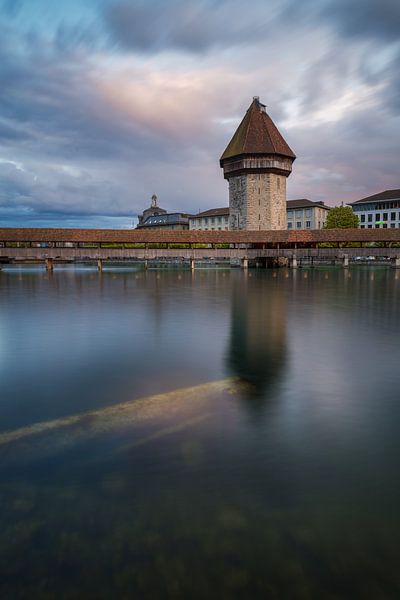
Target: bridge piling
{"x": 245, "y": 263}
{"x": 49, "y": 264}
{"x": 293, "y": 262}
{"x": 192, "y": 265}
{"x": 396, "y": 262}
{"x": 346, "y": 261}
{"x": 100, "y": 265}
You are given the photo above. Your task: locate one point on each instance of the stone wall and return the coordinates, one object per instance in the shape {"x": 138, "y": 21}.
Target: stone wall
{"x": 258, "y": 201}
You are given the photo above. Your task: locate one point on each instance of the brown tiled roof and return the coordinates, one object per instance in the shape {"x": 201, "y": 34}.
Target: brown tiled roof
{"x": 386, "y": 195}
{"x": 213, "y": 212}
{"x": 136, "y": 236}
{"x": 304, "y": 203}
{"x": 257, "y": 134}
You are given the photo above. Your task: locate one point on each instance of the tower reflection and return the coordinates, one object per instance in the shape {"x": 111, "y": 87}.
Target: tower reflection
{"x": 257, "y": 345}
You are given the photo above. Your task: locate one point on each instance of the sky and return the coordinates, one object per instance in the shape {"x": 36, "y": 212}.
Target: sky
{"x": 105, "y": 102}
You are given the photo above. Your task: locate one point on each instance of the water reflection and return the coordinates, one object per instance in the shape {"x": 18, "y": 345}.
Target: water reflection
{"x": 257, "y": 343}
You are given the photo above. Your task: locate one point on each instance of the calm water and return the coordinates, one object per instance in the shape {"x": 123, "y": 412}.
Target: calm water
{"x": 216, "y": 435}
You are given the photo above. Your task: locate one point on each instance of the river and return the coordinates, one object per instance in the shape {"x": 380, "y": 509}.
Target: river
{"x": 216, "y": 434}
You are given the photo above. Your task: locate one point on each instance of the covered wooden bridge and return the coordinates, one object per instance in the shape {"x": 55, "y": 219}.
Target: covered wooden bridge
{"x": 249, "y": 247}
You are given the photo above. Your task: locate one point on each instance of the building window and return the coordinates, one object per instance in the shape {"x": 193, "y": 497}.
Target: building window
{"x": 308, "y": 224}
{"x": 298, "y": 224}
{"x": 369, "y": 226}
{"x": 289, "y": 225}
{"x": 385, "y": 217}
{"x": 378, "y": 217}
{"x": 289, "y": 214}
{"x": 299, "y": 213}
{"x": 376, "y": 226}
{"x": 206, "y": 220}
{"x": 362, "y": 218}
{"x": 362, "y": 226}
{"x": 392, "y": 216}
{"x": 384, "y": 226}
{"x": 219, "y": 219}
{"x": 392, "y": 225}
{"x": 369, "y": 218}
{"x": 308, "y": 212}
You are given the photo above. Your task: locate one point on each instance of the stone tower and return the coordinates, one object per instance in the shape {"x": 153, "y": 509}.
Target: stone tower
{"x": 256, "y": 163}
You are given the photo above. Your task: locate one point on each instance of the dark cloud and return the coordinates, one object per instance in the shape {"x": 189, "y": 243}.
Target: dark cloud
{"x": 372, "y": 19}
{"x": 365, "y": 18}
{"x": 195, "y": 27}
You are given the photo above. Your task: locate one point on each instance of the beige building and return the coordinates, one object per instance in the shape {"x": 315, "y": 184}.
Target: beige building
{"x": 256, "y": 163}
{"x": 304, "y": 214}
{"x": 215, "y": 218}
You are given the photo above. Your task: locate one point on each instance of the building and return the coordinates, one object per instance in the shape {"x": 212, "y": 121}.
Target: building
{"x": 379, "y": 210}
{"x": 304, "y": 214}
{"x": 301, "y": 214}
{"x": 256, "y": 163}
{"x": 153, "y": 211}
{"x": 215, "y": 218}
{"x": 166, "y": 221}
{"x": 156, "y": 217}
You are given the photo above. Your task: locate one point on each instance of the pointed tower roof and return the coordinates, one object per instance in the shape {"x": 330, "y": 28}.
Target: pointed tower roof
{"x": 257, "y": 134}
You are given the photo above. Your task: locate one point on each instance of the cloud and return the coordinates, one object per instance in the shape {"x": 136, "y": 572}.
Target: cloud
{"x": 193, "y": 27}
{"x": 95, "y": 116}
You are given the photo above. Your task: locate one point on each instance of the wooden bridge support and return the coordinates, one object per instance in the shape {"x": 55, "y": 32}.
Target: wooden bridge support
{"x": 396, "y": 263}
{"x": 293, "y": 262}
{"x": 192, "y": 265}
{"x": 346, "y": 261}
{"x": 49, "y": 264}
{"x": 100, "y": 265}
{"x": 245, "y": 263}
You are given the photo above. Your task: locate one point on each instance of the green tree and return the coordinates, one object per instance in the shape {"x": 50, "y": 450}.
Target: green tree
{"x": 341, "y": 217}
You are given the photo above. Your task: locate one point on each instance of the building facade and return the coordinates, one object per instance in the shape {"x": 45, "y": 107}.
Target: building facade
{"x": 156, "y": 217}
{"x": 304, "y": 214}
{"x": 215, "y": 218}
{"x": 177, "y": 221}
{"x": 256, "y": 163}
{"x": 379, "y": 210}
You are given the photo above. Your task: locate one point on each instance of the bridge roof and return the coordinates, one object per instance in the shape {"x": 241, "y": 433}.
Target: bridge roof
{"x": 257, "y": 134}
{"x": 137, "y": 236}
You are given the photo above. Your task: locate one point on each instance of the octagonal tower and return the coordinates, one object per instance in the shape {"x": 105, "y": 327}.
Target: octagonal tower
{"x": 256, "y": 163}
